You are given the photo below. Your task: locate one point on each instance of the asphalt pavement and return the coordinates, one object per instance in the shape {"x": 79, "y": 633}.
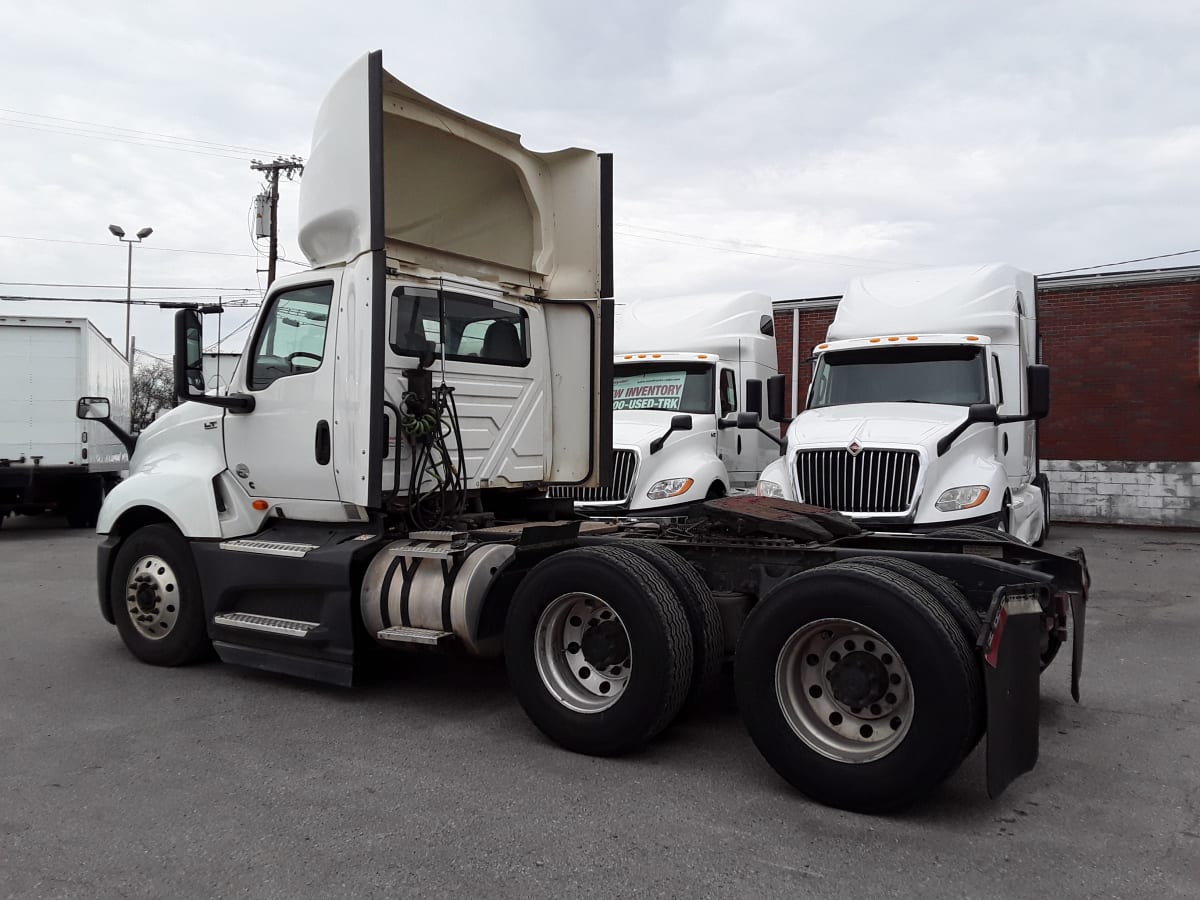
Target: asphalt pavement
{"x": 118, "y": 779}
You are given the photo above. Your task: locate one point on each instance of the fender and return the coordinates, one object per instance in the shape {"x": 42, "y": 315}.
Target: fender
{"x": 172, "y": 471}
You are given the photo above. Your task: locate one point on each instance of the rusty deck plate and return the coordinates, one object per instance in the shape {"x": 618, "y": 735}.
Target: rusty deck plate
{"x": 770, "y": 515}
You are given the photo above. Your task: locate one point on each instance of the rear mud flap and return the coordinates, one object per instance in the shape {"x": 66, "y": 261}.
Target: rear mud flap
{"x": 1078, "y": 611}
{"x": 1011, "y": 648}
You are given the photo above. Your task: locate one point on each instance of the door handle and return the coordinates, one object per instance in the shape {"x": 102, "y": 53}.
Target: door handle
{"x": 322, "y": 444}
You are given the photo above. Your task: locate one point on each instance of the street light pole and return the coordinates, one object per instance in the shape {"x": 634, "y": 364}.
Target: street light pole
{"x": 119, "y": 233}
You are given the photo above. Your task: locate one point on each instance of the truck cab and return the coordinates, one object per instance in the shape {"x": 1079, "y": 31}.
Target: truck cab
{"x": 684, "y": 368}
{"x": 923, "y": 405}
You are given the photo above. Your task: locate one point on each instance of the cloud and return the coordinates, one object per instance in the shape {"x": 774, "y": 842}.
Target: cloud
{"x": 759, "y": 145}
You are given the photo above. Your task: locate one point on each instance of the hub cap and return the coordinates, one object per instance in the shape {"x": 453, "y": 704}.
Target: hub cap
{"x": 152, "y": 597}
{"x": 582, "y": 652}
{"x": 844, "y": 690}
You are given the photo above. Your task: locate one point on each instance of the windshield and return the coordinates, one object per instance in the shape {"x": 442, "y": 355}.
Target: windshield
{"x": 678, "y": 387}
{"x": 951, "y": 375}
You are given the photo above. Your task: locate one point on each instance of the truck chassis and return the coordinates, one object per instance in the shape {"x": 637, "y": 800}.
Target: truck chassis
{"x": 866, "y": 666}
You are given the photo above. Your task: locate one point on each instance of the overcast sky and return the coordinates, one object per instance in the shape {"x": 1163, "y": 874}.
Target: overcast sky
{"x": 775, "y": 146}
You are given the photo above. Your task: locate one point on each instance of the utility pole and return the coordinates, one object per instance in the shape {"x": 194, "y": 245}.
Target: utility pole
{"x": 289, "y": 167}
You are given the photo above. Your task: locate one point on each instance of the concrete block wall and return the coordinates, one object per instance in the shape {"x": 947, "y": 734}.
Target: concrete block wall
{"x": 1124, "y": 492}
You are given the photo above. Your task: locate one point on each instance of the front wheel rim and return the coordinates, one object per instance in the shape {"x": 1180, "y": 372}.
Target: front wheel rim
{"x": 583, "y": 652}
{"x": 844, "y": 690}
{"x": 152, "y": 597}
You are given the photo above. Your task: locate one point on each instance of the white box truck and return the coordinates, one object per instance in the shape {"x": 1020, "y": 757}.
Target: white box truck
{"x": 683, "y": 370}
{"x": 49, "y": 461}
{"x": 375, "y": 481}
{"x": 923, "y": 407}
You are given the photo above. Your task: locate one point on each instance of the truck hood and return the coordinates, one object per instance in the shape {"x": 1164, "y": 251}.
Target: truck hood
{"x": 874, "y": 423}
{"x": 639, "y": 428}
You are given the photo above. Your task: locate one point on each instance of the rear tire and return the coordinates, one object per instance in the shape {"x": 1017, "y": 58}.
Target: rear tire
{"x": 860, "y": 760}
{"x": 155, "y": 598}
{"x": 946, "y": 592}
{"x": 703, "y": 616}
{"x": 573, "y": 600}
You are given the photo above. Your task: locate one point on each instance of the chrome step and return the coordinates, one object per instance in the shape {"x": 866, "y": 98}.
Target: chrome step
{"x": 268, "y": 548}
{"x": 267, "y": 624}
{"x": 426, "y": 637}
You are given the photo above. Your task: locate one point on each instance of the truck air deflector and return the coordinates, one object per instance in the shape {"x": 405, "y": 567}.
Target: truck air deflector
{"x": 456, "y": 196}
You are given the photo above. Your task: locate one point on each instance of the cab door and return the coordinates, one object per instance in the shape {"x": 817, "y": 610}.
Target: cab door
{"x": 283, "y": 448}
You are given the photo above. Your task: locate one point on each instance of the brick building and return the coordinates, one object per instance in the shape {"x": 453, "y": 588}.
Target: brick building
{"x": 1122, "y": 443}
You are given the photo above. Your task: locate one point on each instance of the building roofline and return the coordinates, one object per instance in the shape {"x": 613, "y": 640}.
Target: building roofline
{"x": 1175, "y": 274}
{"x": 1113, "y": 279}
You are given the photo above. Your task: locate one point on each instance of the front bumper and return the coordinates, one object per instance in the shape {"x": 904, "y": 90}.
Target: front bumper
{"x": 991, "y": 520}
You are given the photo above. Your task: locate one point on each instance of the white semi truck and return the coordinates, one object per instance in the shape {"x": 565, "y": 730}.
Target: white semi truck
{"x": 683, "y": 370}
{"x": 48, "y": 461}
{"x": 376, "y": 480}
{"x": 922, "y": 411}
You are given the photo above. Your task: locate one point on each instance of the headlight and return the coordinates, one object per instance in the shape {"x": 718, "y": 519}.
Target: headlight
{"x": 958, "y": 498}
{"x": 769, "y": 489}
{"x": 670, "y": 487}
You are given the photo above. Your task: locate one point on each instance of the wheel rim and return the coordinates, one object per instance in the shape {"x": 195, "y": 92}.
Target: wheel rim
{"x": 583, "y": 654}
{"x": 152, "y": 597}
{"x": 844, "y": 690}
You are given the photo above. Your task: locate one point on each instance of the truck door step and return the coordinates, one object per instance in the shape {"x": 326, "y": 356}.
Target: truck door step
{"x": 425, "y": 637}
{"x": 268, "y": 548}
{"x": 267, "y": 624}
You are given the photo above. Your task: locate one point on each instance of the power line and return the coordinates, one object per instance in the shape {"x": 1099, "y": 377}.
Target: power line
{"x": 663, "y": 240}
{"x": 31, "y": 126}
{"x": 21, "y": 298}
{"x": 136, "y": 287}
{"x": 152, "y": 134}
{"x": 1123, "y": 262}
{"x": 740, "y": 246}
{"x": 142, "y": 249}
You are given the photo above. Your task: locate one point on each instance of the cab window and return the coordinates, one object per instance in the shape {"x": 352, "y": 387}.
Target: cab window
{"x": 291, "y": 339}
{"x": 728, "y": 392}
{"x": 473, "y": 329}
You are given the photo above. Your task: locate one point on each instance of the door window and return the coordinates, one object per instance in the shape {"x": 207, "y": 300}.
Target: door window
{"x": 291, "y": 339}
{"x": 728, "y": 392}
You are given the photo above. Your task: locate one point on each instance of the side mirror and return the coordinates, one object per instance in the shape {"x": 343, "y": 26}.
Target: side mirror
{"x": 754, "y": 396}
{"x": 189, "y": 353}
{"x": 92, "y": 408}
{"x": 189, "y": 364}
{"x": 98, "y": 409}
{"x": 982, "y": 412}
{"x": 748, "y": 419}
{"x": 775, "y": 390}
{"x": 1038, "y": 382}
{"x": 678, "y": 423}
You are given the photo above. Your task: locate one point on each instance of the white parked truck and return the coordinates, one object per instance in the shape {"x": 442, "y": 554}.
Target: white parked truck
{"x": 376, "y": 480}
{"x": 49, "y": 462}
{"x": 683, "y": 370}
{"x": 923, "y": 407}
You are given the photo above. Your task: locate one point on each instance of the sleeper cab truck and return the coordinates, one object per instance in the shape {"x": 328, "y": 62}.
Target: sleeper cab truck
{"x": 684, "y": 368}
{"x": 375, "y": 481}
{"x": 923, "y": 406}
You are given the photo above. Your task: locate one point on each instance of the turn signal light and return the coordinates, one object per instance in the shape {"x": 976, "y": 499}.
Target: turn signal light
{"x": 260, "y": 505}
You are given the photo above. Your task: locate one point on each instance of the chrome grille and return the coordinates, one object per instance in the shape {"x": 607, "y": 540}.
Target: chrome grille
{"x": 616, "y": 489}
{"x": 874, "y": 481}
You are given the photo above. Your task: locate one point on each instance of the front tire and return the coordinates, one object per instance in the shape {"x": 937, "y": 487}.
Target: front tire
{"x": 598, "y": 650}
{"x": 858, "y": 687}
{"x": 155, "y": 598}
